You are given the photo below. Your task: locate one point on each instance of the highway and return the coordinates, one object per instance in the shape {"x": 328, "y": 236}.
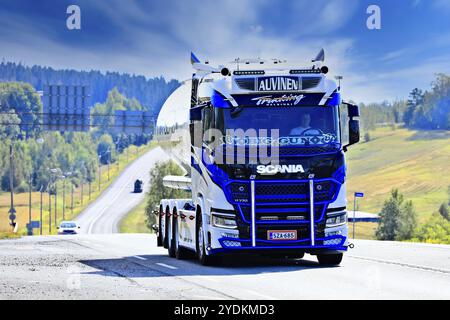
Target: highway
{"x": 99, "y": 263}
{"x": 130, "y": 266}
{"x": 104, "y": 214}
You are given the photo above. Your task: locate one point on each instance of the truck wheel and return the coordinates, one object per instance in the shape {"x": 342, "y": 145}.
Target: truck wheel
{"x": 166, "y": 230}
{"x": 159, "y": 238}
{"x": 330, "y": 259}
{"x": 180, "y": 252}
{"x": 201, "y": 246}
{"x": 296, "y": 255}
{"x": 171, "y": 240}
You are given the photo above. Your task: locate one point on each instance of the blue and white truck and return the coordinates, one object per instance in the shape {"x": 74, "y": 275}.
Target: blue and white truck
{"x": 267, "y": 164}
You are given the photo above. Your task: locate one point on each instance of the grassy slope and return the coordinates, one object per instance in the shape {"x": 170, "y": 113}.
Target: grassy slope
{"x": 21, "y": 199}
{"x": 418, "y": 164}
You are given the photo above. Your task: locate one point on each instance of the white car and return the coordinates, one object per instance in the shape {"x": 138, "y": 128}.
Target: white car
{"x": 68, "y": 227}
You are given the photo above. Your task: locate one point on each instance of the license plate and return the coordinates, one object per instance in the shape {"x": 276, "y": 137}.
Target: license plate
{"x": 282, "y": 235}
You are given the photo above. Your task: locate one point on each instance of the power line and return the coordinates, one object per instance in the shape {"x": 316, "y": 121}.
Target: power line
{"x": 140, "y": 116}
{"x": 72, "y": 125}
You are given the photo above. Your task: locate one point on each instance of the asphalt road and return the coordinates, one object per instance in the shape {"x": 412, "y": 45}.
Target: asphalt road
{"x": 104, "y": 214}
{"x": 130, "y": 266}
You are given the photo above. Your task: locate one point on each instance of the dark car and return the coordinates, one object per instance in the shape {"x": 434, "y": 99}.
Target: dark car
{"x": 138, "y": 186}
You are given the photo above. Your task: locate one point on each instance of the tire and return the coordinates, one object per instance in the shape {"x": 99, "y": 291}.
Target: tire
{"x": 330, "y": 259}
{"x": 166, "y": 231}
{"x": 180, "y": 252}
{"x": 171, "y": 239}
{"x": 159, "y": 238}
{"x": 200, "y": 244}
{"x": 295, "y": 255}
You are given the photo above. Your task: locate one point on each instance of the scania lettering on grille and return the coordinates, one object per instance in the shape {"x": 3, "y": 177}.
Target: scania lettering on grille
{"x": 274, "y": 169}
{"x": 278, "y": 84}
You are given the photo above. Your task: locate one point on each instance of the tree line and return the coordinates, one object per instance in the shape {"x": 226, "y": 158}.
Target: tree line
{"x": 150, "y": 92}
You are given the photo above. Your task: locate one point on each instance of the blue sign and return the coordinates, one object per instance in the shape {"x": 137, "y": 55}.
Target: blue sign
{"x": 359, "y": 194}
{"x": 35, "y": 224}
{"x": 66, "y": 108}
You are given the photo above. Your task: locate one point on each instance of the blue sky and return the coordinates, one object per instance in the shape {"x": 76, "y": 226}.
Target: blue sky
{"x": 155, "y": 38}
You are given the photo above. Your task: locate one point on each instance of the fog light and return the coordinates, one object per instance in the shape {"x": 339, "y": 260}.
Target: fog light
{"x": 224, "y": 221}
{"x": 336, "y": 221}
{"x": 230, "y": 243}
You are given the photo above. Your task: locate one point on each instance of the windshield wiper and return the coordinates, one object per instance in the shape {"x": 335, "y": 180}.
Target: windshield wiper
{"x": 236, "y": 111}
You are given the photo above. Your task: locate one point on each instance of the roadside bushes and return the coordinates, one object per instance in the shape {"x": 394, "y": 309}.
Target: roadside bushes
{"x": 398, "y": 219}
{"x": 158, "y": 191}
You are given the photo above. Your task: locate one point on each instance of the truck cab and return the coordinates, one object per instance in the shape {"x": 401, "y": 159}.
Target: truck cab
{"x": 267, "y": 165}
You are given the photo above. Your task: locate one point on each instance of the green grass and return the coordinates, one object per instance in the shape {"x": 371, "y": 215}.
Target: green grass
{"x": 417, "y": 163}
{"x": 135, "y": 221}
{"x": 363, "y": 230}
{"x": 21, "y": 199}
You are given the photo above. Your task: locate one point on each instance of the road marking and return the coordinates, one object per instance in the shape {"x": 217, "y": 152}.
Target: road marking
{"x": 207, "y": 297}
{"x": 140, "y": 258}
{"x": 209, "y": 279}
{"x": 401, "y": 264}
{"x": 260, "y": 295}
{"x": 166, "y": 266}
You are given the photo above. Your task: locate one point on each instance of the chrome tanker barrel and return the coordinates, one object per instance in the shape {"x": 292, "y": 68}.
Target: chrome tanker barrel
{"x": 172, "y": 125}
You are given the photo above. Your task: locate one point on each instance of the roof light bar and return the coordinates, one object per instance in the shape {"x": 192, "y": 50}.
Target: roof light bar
{"x": 300, "y": 71}
{"x": 248, "y": 72}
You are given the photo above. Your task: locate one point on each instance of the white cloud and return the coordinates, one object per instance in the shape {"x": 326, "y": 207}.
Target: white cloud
{"x": 159, "y": 39}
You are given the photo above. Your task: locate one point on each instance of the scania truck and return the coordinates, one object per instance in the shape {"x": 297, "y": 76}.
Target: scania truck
{"x": 267, "y": 164}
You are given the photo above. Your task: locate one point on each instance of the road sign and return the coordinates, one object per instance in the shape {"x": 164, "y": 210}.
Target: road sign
{"x": 359, "y": 194}
{"x": 35, "y": 224}
{"x": 66, "y": 108}
{"x": 133, "y": 122}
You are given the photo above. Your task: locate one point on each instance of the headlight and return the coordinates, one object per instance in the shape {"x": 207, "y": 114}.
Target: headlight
{"x": 336, "y": 220}
{"x": 222, "y": 221}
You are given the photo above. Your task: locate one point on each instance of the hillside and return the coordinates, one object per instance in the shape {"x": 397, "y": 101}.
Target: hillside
{"x": 415, "y": 162}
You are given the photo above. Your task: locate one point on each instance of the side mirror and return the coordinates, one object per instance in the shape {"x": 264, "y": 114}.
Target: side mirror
{"x": 195, "y": 130}
{"x": 353, "y": 124}
{"x": 353, "y": 131}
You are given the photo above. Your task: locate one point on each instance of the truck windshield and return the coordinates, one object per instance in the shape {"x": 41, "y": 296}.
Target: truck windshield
{"x": 297, "y": 126}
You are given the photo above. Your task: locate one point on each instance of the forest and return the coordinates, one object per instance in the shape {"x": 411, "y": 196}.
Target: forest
{"x": 150, "y": 92}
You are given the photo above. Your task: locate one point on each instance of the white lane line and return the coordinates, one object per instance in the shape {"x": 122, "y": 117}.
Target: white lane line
{"x": 140, "y": 258}
{"x": 166, "y": 266}
{"x": 401, "y": 264}
{"x": 207, "y": 297}
{"x": 209, "y": 279}
{"x": 260, "y": 295}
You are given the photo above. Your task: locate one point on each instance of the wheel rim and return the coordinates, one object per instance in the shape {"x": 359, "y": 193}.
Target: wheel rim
{"x": 176, "y": 236}
{"x": 200, "y": 242}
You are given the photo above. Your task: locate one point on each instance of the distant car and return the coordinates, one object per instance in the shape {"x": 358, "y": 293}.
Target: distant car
{"x": 68, "y": 227}
{"x": 138, "y": 186}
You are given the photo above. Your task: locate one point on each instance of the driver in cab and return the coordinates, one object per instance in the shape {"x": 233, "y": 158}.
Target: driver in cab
{"x": 305, "y": 127}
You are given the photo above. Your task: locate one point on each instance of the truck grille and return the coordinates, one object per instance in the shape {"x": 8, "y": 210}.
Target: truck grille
{"x": 279, "y": 193}
{"x": 282, "y": 201}
{"x": 310, "y": 82}
{"x": 246, "y": 83}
